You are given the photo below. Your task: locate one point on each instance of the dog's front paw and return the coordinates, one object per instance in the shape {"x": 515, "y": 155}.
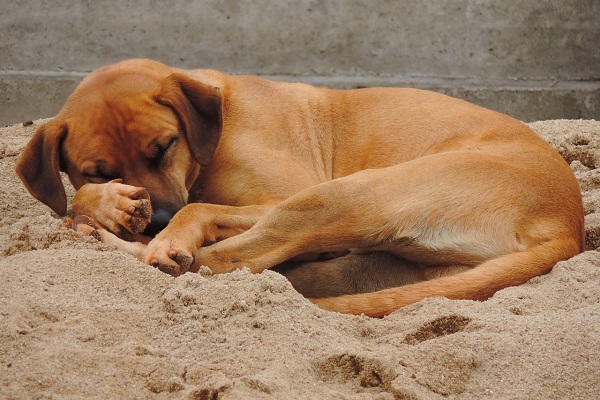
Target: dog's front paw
{"x": 169, "y": 256}
{"x": 122, "y": 209}
{"x": 133, "y": 208}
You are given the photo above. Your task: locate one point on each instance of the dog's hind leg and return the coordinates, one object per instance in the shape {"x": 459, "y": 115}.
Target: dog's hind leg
{"x": 357, "y": 272}
{"x": 478, "y": 283}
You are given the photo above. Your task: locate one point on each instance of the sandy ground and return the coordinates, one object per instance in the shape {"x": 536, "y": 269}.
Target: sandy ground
{"x": 81, "y": 320}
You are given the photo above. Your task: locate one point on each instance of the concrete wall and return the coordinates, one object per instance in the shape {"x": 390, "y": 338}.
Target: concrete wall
{"x": 531, "y": 59}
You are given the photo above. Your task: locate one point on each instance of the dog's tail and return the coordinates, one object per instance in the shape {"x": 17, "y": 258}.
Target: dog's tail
{"x": 478, "y": 283}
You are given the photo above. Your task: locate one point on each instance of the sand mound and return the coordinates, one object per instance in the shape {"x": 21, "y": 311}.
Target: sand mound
{"x": 81, "y": 320}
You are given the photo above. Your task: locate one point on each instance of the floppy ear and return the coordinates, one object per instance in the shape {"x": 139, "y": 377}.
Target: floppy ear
{"x": 198, "y": 107}
{"x": 39, "y": 166}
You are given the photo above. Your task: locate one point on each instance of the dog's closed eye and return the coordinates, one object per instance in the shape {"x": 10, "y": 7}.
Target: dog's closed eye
{"x": 98, "y": 177}
{"x": 99, "y": 174}
{"x": 161, "y": 150}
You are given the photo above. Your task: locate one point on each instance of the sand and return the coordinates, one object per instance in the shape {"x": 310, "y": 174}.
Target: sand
{"x": 81, "y": 320}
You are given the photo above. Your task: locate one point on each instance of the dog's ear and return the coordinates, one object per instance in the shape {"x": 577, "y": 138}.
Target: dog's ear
{"x": 39, "y": 166}
{"x": 198, "y": 107}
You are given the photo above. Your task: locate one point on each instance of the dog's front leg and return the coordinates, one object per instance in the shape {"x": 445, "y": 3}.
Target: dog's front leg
{"x": 318, "y": 219}
{"x": 195, "y": 226}
{"x": 123, "y": 209}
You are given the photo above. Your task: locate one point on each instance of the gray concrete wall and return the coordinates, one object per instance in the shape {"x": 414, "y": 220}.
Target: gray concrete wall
{"x": 531, "y": 59}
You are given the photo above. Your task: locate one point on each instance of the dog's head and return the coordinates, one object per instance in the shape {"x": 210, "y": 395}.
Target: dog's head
{"x": 136, "y": 121}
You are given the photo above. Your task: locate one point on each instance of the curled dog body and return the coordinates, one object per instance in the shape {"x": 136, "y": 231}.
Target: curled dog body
{"x": 367, "y": 200}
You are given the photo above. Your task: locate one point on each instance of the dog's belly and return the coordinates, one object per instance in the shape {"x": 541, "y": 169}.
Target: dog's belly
{"x": 454, "y": 247}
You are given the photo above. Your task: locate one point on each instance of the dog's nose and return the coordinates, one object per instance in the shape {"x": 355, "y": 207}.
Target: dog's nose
{"x": 160, "y": 219}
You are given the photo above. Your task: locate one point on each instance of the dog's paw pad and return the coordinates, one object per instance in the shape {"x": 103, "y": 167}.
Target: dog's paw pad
{"x": 144, "y": 209}
{"x": 170, "y": 269}
{"x": 138, "y": 224}
{"x": 185, "y": 261}
{"x": 177, "y": 265}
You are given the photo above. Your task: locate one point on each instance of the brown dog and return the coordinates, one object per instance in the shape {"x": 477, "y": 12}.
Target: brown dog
{"x": 345, "y": 192}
